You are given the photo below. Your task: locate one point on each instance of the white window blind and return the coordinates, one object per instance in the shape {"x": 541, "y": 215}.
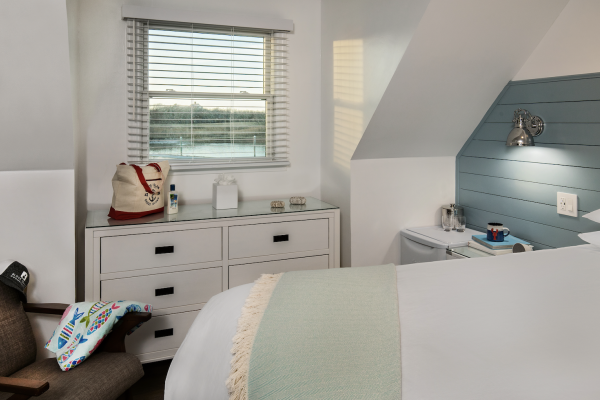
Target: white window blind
{"x": 205, "y": 97}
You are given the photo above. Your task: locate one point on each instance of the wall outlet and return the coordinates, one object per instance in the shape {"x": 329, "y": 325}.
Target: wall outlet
{"x": 566, "y": 204}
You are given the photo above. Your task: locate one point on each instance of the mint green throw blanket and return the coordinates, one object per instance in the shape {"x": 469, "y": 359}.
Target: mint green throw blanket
{"x": 329, "y": 334}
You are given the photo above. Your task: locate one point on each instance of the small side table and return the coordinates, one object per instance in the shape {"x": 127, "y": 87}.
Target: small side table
{"x": 465, "y": 252}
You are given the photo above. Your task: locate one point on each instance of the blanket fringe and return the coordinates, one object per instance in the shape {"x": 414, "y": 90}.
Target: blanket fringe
{"x": 248, "y": 324}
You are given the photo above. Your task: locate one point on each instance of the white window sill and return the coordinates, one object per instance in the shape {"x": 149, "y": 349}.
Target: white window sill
{"x": 183, "y": 169}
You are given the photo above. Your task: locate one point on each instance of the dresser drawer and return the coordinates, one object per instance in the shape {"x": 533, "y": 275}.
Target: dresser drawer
{"x": 166, "y": 290}
{"x": 160, "y": 333}
{"x": 150, "y": 250}
{"x": 248, "y": 273}
{"x": 278, "y": 238}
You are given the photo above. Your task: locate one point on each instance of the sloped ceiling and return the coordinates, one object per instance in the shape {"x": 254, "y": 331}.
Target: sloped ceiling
{"x": 461, "y": 56}
{"x": 569, "y": 47}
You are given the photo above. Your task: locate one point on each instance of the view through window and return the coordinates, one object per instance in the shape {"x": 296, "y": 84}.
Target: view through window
{"x": 209, "y": 94}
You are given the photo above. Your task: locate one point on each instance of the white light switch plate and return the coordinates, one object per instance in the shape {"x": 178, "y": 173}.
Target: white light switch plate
{"x": 566, "y": 204}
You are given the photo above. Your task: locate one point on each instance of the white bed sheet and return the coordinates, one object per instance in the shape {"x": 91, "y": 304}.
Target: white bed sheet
{"x": 519, "y": 326}
{"x": 523, "y": 326}
{"x": 202, "y": 363}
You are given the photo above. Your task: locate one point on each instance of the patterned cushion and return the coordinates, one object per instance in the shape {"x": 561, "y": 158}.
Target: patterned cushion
{"x": 17, "y": 346}
{"x": 84, "y": 326}
{"x": 104, "y": 376}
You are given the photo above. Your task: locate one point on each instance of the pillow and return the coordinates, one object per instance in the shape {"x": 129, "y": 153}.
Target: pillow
{"x": 591, "y": 237}
{"x": 83, "y": 326}
{"x": 594, "y": 216}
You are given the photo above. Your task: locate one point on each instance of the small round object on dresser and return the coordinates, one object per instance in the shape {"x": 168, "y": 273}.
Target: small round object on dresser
{"x": 277, "y": 204}
{"x": 298, "y": 200}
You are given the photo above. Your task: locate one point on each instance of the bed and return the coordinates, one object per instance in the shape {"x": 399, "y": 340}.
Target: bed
{"x": 519, "y": 326}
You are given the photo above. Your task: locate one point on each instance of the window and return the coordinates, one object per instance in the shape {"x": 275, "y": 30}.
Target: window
{"x": 206, "y": 97}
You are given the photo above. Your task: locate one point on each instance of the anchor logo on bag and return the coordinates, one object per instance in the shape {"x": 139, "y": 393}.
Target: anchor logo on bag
{"x": 152, "y": 198}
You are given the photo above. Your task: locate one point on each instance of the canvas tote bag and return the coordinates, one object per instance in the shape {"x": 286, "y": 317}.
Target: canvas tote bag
{"x": 138, "y": 190}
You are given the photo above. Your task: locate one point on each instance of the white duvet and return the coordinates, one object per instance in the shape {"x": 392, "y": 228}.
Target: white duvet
{"x": 522, "y": 326}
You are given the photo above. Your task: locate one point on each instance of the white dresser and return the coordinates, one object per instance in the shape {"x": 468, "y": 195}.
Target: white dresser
{"x": 178, "y": 262}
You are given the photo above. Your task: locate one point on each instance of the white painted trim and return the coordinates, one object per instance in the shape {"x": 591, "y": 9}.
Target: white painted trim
{"x": 228, "y": 171}
{"x": 207, "y": 17}
{"x": 216, "y": 167}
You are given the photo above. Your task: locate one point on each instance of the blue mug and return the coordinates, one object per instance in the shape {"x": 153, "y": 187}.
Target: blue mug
{"x": 496, "y": 232}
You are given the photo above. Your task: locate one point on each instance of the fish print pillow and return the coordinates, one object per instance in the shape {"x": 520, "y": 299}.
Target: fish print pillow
{"x": 83, "y": 327}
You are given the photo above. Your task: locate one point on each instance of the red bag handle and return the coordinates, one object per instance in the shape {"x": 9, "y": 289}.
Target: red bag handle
{"x": 156, "y": 166}
{"x": 141, "y": 177}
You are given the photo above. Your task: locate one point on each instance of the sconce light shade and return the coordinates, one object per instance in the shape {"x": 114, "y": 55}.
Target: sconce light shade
{"x": 519, "y": 137}
{"x": 526, "y": 127}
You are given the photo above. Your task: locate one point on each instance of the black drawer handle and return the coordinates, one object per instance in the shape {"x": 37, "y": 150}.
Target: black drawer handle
{"x": 281, "y": 238}
{"x": 164, "y": 250}
{"x": 164, "y": 291}
{"x": 163, "y": 333}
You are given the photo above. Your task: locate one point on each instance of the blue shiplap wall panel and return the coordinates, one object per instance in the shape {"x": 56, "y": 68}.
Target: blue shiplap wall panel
{"x": 554, "y": 133}
{"x": 517, "y": 186}
{"x": 550, "y": 174}
{"x": 570, "y": 111}
{"x": 556, "y": 154}
{"x": 529, "y": 211}
{"x": 529, "y": 191}
{"x": 573, "y": 88}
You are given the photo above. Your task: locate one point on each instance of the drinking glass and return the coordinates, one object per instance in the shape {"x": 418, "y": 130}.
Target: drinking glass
{"x": 460, "y": 223}
{"x": 447, "y": 222}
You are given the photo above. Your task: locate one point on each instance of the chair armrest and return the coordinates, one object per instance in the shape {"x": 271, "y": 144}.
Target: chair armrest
{"x": 27, "y": 387}
{"x": 115, "y": 341}
{"x": 45, "y": 308}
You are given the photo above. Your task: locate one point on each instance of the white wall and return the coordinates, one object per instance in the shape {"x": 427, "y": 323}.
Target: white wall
{"x": 462, "y": 55}
{"x": 362, "y": 42}
{"x": 571, "y": 45}
{"x": 395, "y": 193}
{"x": 36, "y": 153}
{"x": 38, "y": 230}
{"x": 35, "y": 97}
{"x": 102, "y": 106}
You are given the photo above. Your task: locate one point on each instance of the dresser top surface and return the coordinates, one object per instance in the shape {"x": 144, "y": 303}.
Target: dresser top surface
{"x": 198, "y": 212}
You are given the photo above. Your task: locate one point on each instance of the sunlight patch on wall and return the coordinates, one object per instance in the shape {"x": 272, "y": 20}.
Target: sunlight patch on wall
{"x": 348, "y": 97}
{"x": 348, "y": 123}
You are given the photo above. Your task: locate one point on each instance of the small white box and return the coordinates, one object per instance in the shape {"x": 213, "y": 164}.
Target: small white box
{"x": 224, "y": 196}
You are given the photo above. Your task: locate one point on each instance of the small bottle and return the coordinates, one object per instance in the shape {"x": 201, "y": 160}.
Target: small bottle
{"x": 172, "y": 201}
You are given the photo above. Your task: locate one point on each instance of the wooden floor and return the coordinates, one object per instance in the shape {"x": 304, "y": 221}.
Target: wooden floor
{"x": 152, "y": 384}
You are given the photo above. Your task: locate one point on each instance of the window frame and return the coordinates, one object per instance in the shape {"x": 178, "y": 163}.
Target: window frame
{"x": 139, "y": 97}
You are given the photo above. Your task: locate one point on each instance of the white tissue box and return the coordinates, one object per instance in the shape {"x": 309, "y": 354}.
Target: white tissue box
{"x": 224, "y": 196}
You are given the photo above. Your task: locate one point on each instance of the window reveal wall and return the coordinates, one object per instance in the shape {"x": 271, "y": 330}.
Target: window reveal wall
{"x": 517, "y": 186}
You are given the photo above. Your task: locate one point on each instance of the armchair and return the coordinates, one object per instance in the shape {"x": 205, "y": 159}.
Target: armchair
{"x": 107, "y": 374}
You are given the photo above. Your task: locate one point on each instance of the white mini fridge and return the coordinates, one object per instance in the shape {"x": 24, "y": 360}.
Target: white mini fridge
{"x": 429, "y": 243}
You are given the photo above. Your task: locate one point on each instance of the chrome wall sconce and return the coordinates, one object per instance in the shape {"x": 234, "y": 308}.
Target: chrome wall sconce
{"x": 526, "y": 127}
